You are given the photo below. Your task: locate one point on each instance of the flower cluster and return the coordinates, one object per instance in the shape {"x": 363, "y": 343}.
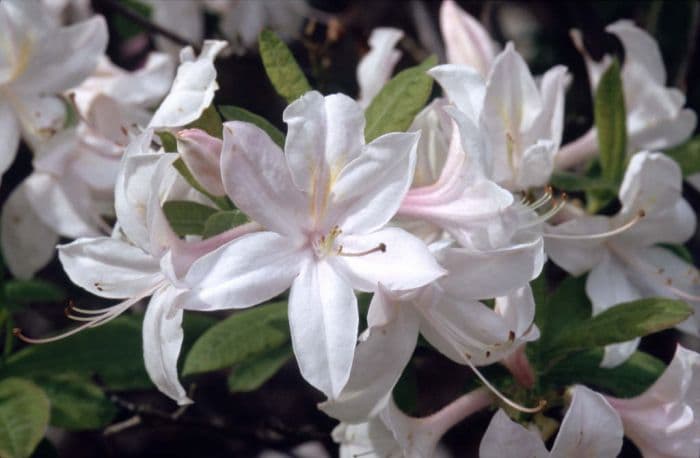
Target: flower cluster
{"x": 447, "y": 222}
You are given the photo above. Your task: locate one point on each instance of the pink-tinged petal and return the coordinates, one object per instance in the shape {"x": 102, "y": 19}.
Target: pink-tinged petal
{"x": 202, "y": 154}
{"x": 324, "y": 134}
{"x": 193, "y": 89}
{"x": 375, "y": 68}
{"x": 653, "y": 182}
{"x": 486, "y": 274}
{"x": 641, "y": 50}
{"x": 242, "y": 273}
{"x": 68, "y": 55}
{"x": 504, "y": 437}
{"x": 323, "y": 320}
{"x": 369, "y": 190}
{"x": 463, "y": 86}
{"x": 380, "y": 357}
{"x": 577, "y": 256}
{"x": 610, "y": 271}
{"x": 27, "y": 243}
{"x": 110, "y": 268}
{"x": 162, "y": 341}
{"x": 664, "y": 420}
{"x": 591, "y": 428}
{"x": 434, "y": 126}
{"x": 9, "y": 136}
{"x": 405, "y": 262}
{"x": 466, "y": 40}
{"x": 256, "y": 177}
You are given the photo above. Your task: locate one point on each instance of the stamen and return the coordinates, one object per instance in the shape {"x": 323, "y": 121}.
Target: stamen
{"x": 556, "y": 207}
{"x": 381, "y": 247}
{"x": 602, "y": 235}
{"x": 546, "y": 197}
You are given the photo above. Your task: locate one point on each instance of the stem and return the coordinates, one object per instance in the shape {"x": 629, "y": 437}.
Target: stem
{"x": 521, "y": 369}
{"x": 459, "y": 409}
{"x": 124, "y": 10}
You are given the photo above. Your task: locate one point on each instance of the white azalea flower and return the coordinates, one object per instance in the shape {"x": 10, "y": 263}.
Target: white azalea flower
{"x": 466, "y": 40}
{"x": 375, "y": 67}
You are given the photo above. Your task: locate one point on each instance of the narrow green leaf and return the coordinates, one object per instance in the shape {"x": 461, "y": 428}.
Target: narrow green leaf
{"x": 168, "y": 141}
{"x": 399, "y": 101}
{"x": 610, "y": 122}
{"x": 687, "y": 155}
{"x": 187, "y": 218}
{"x": 237, "y": 338}
{"x": 32, "y": 291}
{"x": 221, "y": 201}
{"x": 571, "y": 182}
{"x": 210, "y": 122}
{"x": 233, "y": 113}
{"x": 630, "y": 379}
{"x": 24, "y": 416}
{"x": 281, "y": 67}
{"x": 76, "y": 403}
{"x": 256, "y": 370}
{"x": 623, "y": 322}
{"x": 222, "y": 221}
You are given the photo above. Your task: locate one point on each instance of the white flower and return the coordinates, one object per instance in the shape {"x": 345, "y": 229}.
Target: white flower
{"x": 466, "y": 40}
{"x": 375, "y": 67}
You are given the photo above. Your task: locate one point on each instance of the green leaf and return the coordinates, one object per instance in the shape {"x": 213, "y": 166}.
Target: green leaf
{"x": 221, "y": 201}
{"x": 187, "y": 218}
{"x": 687, "y": 155}
{"x": 571, "y": 182}
{"x": 32, "y": 291}
{"x": 222, "y": 221}
{"x": 127, "y": 28}
{"x": 76, "y": 402}
{"x": 281, "y": 67}
{"x": 610, "y": 122}
{"x": 621, "y": 323}
{"x": 210, "y": 122}
{"x": 237, "y": 338}
{"x": 233, "y": 113}
{"x": 679, "y": 250}
{"x": 630, "y": 379}
{"x": 399, "y": 101}
{"x": 256, "y": 370}
{"x": 24, "y": 416}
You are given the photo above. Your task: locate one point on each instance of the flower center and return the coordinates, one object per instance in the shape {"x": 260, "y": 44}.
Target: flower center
{"x": 326, "y": 245}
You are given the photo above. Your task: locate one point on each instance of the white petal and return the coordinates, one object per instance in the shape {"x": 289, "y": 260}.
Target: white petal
{"x": 577, "y": 256}
{"x": 244, "y": 272}
{"x": 674, "y": 224}
{"x": 368, "y": 191}
{"x": 202, "y": 154}
{"x": 68, "y": 55}
{"x": 464, "y": 87}
{"x": 27, "y": 243}
{"x": 324, "y": 134}
{"x": 504, "y": 437}
{"x": 406, "y": 262}
{"x": 193, "y": 89}
{"x": 110, "y": 268}
{"x": 380, "y": 358}
{"x": 256, "y": 177}
{"x": 323, "y": 320}
{"x": 375, "y": 67}
{"x": 466, "y": 40}
{"x": 641, "y": 50}
{"x": 591, "y": 428}
{"x": 162, "y": 341}
{"x": 536, "y": 165}
{"x": 9, "y": 137}
{"x": 653, "y": 182}
{"x": 487, "y": 274}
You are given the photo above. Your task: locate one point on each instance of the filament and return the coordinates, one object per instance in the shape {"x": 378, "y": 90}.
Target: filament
{"x": 602, "y": 235}
{"x": 381, "y": 247}
{"x": 558, "y": 205}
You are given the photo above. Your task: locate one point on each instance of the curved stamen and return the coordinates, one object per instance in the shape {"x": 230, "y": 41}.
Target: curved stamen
{"x": 602, "y": 235}
{"x": 558, "y": 205}
{"x": 381, "y": 247}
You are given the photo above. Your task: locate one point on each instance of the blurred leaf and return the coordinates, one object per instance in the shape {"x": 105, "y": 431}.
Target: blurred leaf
{"x": 222, "y": 221}
{"x": 679, "y": 250}
{"x": 232, "y": 113}
{"x": 621, "y": 323}
{"x": 76, "y": 402}
{"x": 687, "y": 155}
{"x": 187, "y": 218}
{"x": 24, "y": 416}
{"x": 168, "y": 140}
{"x": 571, "y": 182}
{"x": 210, "y": 122}
{"x": 124, "y": 26}
{"x": 32, "y": 291}
{"x": 45, "y": 449}
{"x": 399, "y": 101}
{"x": 221, "y": 201}
{"x": 252, "y": 373}
{"x": 237, "y": 338}
{"x": 630, "y": 379}
{"x": 281, "y": 67}
{"x": 610, "y": 122}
